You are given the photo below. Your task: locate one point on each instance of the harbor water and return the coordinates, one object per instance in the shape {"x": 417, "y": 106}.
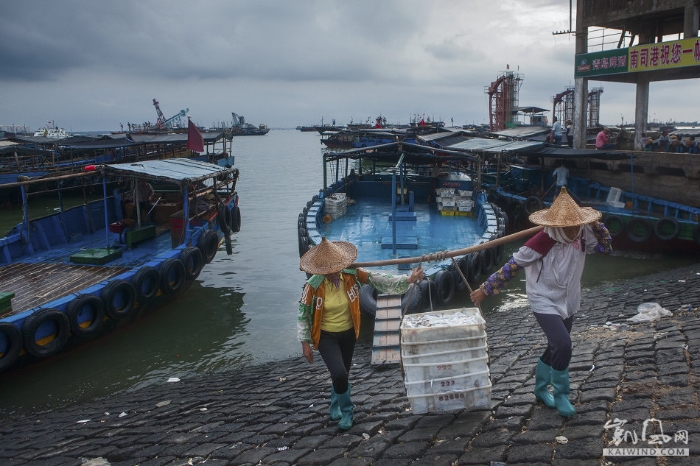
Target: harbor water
{"x": 242, "y": 309}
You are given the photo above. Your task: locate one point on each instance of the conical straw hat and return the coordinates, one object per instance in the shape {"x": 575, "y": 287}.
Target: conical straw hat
{"x": 564, "y": 213}
{"x": 328, "y": 257}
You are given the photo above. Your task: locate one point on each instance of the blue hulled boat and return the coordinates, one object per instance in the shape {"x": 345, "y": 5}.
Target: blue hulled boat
{"x": 68, "y": 277}
{"x": 399, "y": 200}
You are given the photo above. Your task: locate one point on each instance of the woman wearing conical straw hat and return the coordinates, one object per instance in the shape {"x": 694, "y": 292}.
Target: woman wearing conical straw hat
{"x": 329, "y": 313}
{"x": 553, "y": 260}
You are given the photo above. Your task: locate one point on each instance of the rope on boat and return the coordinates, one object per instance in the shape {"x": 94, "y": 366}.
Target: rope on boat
{"x": 441, "y": 255}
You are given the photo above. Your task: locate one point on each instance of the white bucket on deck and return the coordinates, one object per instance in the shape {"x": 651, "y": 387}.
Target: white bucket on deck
{"x": 445, "y": 360}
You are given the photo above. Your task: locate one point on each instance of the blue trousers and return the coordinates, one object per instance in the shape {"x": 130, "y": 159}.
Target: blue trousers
{"x": 558, "y": 333}
{"x": 336, "y": 349}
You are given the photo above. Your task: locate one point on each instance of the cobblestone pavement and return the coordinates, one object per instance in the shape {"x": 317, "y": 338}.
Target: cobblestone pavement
{"x": 277, "y": 413}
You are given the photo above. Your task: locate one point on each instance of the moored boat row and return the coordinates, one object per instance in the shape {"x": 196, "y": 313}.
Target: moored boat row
{"x": 75, "y": 274}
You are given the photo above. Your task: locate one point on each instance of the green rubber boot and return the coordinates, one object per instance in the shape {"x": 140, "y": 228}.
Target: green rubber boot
{"x": 560, "y": 381}
{"x": 335, "y": 409}
{"x": 543, "y": 378}
{"x": 346, "y": 408}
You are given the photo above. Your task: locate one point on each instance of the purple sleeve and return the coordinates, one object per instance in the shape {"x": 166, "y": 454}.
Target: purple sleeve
{"x": 498, "y": 280}
{"x": 603, "y": 236}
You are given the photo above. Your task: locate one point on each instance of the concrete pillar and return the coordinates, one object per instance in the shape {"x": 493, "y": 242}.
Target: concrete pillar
{"x": 580, "y": 111}
{"x": 641, "y": 109}
{"x": 691, "y": 20}
{"x": 580, "y": 85}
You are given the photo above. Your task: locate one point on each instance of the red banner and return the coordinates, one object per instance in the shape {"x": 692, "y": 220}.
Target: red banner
{"x": 195, "y": 141}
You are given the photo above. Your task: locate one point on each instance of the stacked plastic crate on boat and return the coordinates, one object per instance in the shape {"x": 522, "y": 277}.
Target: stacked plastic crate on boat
{"x": 336, "y": 205}
{"x": 446, "y": 203}
{"x": 445, "y": 360}
{"x": 464, "y": 202}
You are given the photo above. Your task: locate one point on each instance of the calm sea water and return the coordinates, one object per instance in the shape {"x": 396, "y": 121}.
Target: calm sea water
{"x": 242, "y": 309}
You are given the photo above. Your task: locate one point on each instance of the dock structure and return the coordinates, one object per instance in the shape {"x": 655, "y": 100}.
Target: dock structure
{"x": 631, "y": 42}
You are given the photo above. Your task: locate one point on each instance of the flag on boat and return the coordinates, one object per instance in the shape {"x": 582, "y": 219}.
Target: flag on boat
{"x": 195, "y": 141}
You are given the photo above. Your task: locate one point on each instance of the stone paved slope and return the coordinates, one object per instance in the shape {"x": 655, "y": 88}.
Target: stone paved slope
{"x": 277, "y": 413}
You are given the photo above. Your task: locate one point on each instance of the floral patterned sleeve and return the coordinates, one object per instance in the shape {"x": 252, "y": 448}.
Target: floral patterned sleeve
{"x": 603, "y": 236}
{"x": 305, "y": 314}
{"x": 384, "y": 283}
{"x": 498, "y": 280}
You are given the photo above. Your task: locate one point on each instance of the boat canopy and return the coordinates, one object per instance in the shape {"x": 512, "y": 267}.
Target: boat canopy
{"x": 179, "y": 170}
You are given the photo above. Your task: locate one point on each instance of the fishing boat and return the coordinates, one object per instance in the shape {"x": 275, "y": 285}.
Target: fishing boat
{"x": 240, "y": 127}
{"x": 71, "y": 276}
{"x": 399, "y": 201}
{"x": 519, "y": 180}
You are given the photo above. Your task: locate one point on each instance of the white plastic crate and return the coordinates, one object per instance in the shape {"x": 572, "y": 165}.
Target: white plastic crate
{"x": 463, "y": 203}
{"x": 446, "y": 192}
{"x": 447, "y": 202}
{"x": 464, "y": 193}
{"x": 448, "y": 401}
{"x": 445, "y": 360}
{"x": 613, "y": 195}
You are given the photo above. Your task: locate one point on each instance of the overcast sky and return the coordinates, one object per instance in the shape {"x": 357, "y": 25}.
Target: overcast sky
{"x": 89, "y": 65}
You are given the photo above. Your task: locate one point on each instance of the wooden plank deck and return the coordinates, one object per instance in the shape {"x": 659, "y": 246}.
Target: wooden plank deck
{"x": 36, "y": 284}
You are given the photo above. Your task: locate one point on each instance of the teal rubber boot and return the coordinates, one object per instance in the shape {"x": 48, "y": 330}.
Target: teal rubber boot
{"x": 560, "y": 381}
{"x": 346, "y": 409}
{"x": 543, "y": 378}
{"x": 335, "y": 408}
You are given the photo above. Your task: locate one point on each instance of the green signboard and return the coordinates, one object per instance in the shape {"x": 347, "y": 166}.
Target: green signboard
{"x": 601, "y": 63}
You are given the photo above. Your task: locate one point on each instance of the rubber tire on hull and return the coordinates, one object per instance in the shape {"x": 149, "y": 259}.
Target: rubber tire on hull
{"x": 146, "y": 282}
{"x": 474, "y": 267}
{"x": 612, "y": 221}
{"x": 445, "y": 285}
{"x": 368, "y": 300}
{"x": 459, "y": 283}
{"x": 236, "y": 220}
{"x": 532, "y": 204}
{"x": 463, "y": 264}
{"x": 13, "y": 338}
{"x": 172, "y": 276}
{"x": 119, "y": 297}
{"x": 225, "y": 219}
{"x": 32, "y": 323}
{"x": 412, "y": 301}
{"x": 661, "y": 225}
{"x": 193, "y": 261}
{"x": 486, "y": 260}
{"x": 633, "y": 227}
{"x": 208, "y": 244}
{"x": 429, "y": 293}
{"x": 89, "y": 306}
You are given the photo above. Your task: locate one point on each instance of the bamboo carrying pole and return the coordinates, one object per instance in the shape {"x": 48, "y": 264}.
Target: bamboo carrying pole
{"x": 448, "y": 254}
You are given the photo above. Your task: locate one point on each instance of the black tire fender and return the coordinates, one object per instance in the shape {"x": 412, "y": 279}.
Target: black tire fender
{"x": 487, "y": 260}
{"x": 429, "y": 293}
{"x": 42, "y": 317}
{"x": 412, "y": 301}
{"x": 224, "y": 218}
{"x": 635, "y": 225}
{"x": 208, "y": 245}
{"x": 119, "y": 297}
{"x": 532, "y": 204}
{"x": 661, "y": 228}
{"x": 10, "y": 344}
{"x": 86, "y": 315}
{"x": 445, "y": 285}
{"x": 146, "y": 282}
{"x": 172, "y": 276}
{"x": 236, "y": 219}
{"x": 193, "y": 262}
{"x": 615, "y": 225}
{"x": 368, "y": 300}
{"x": 474, "y": 267}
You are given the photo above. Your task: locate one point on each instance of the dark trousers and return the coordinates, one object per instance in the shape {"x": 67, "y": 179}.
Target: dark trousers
{"x": 557, "y": 330}
{"x": 336, "y": 349}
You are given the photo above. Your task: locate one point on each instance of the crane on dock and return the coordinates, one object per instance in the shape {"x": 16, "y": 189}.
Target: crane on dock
{"x": 173, "y": 121}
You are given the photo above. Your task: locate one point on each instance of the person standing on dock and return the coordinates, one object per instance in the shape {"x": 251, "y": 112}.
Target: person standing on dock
{"x": 329, "y": 313}
{"x": 555, "y": 135}
{"x": 553, "y": 260}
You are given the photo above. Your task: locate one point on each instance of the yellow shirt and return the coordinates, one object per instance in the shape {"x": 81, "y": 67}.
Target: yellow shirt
{"x": 336, "y": 308}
